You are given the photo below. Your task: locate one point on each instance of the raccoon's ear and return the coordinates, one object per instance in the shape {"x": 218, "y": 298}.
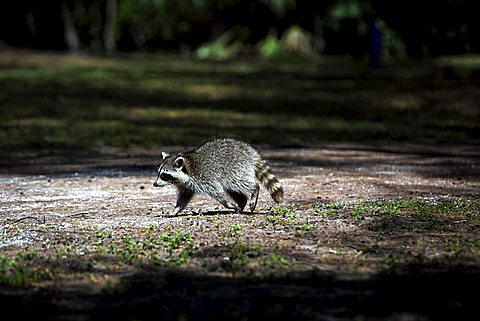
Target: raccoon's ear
{"x": 165, "y": 155}
{"x": 179, "y": 162}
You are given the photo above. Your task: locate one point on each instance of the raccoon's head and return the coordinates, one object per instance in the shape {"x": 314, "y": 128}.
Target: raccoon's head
{"x": 172, "y": 170}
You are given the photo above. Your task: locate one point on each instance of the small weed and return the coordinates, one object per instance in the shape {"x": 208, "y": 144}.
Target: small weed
{"x": 275, "y": 261}
{"x": 6, "y": 264}
{"x": 468, "y": 208}
{"x": 283, "y": 216}
{"x": 389, "y": 264}
{"x": 276, "y": 220}
{"x": 330, "y": 209}
{"x": 378, "y": 236}
{"x": 233, "y": 230}
{"x": 284, "y": 211}
{"x": 92, "y": 278}
{"x": 362, "y": 209}
{"x": 454, "y": 246}
{"x": 21, "y": 271}
{"x": 150, "y": 227}
{"x": 307, "y": 227}
{"x": 239, "y": 254}
{"x": 353, "y": 266}
{"x": 26, "y": 256}
{"x": 371, "y": 248}
{"x": 179, "y": 247}
{"x": 335, "y": 206}
{"x": 101, "y": 236}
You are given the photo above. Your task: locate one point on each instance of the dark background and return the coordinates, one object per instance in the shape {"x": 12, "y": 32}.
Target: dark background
{"x": 425, "y": 28}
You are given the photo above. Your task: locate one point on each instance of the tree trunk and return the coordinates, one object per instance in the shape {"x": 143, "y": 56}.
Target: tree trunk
{"x": 70, "y": 33}
{"x": 318, "y": 38}
{"x": 109, "y": 26}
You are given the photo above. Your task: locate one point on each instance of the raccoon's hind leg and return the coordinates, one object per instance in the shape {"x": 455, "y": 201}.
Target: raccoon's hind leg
{"x": 224, "y": 200}
{"x": 254, "y": 198}
{"x": 239, "y": 198}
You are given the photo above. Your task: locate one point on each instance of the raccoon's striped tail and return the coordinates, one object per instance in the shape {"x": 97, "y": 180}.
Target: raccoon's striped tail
{"x": 271, "y": 183}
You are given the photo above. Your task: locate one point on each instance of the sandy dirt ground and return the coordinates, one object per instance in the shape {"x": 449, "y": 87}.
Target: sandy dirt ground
{"x": 111, "y": 184}
{"x": 48, "y": 198}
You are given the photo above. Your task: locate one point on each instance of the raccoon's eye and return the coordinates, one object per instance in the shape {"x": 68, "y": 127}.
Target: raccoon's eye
{"x": 179, "y": 162}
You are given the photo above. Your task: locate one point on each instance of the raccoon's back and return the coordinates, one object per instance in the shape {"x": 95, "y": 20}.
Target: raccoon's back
{"x": 226, "y": 160}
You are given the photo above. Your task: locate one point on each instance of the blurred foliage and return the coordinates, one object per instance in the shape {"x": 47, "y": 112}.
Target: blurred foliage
{"x": 228, "y": 44}
{"x": 347, "y": 9}
{"x": 218, "y": 51}
{"x": 295, "y": 41}
{"x": 339, "y": 26}
{"x": 393, "y": 47}
{"x": 271, "y": 47}
{"x": 280, "y": 7}
{"x": 298, "y": 41}
{"x": 145, "y": 20}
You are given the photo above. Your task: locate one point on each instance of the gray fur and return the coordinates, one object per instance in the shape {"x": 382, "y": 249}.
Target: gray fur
{"x": 227, "y": 169}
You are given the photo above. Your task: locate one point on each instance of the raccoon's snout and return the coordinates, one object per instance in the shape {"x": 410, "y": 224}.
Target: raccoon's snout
{"x": 155, "y": 184}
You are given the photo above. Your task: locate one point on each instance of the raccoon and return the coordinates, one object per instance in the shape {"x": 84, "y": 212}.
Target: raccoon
{"x": 226, "y": 168}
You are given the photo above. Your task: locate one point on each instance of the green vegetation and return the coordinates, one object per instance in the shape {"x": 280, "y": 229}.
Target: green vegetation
{"x": 411, "y": 214}
{"x": 396, "y": 232}
{"x": 180, "y": 242}
{"x": 233, "y": 230}
{"x": 57, "y": 101}
{"x": 380, "y": 236}
{"x": 170, "y": 248}
{"x": 27, "y": 267}
{"x": 21, "y": 270}
{"x": 242, "y": 255}
{"x": 408, "y": 214}
{"x": 239, "y": 254}
{"x": 307, "y": 227}
{"x": 282, "y": 216}
{"x": 276, "y": 261}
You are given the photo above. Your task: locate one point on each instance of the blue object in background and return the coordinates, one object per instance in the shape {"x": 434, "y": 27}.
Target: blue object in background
{"x": 375, "y": 45}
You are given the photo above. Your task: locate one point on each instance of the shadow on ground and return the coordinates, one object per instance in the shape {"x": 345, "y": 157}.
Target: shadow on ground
{"x": 55, "y": 101}
{"x": 156, "y": 294}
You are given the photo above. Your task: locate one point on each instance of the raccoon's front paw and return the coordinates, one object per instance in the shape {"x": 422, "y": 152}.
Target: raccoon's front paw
{"x": 175, "y": 212}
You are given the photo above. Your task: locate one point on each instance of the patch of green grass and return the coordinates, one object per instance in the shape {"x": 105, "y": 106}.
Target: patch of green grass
{"x": 276, "y": 261}
{"x": 361, "y": 210}
{"x": 457, "y": 246}
{"x": 239, "y": 254}
{"x": 22, "y": 270}
{"x": 410, "y": 214}
{"x": 242, "y": 254}
{"x": 70, "y": 102}
{"x": 284, "y": 211}
{"x": 179, "y": 247}
{"x": 389, "y": 263}
{"x": 371, "y": 248}
{"x": 307, "y": 227}
{"x": 233, "y": 230}
{"x": 170, "y": 248}
{"x": 454, "y": 245}
{"x": 283, "y": 216}
{"x": 331, "y": 209}
{"x": 385, "y": 210}
{"x": 27, "y": 267}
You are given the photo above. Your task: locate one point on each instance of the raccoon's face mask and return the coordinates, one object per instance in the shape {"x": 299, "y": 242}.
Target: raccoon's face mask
{"x": 171, "y": 170}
